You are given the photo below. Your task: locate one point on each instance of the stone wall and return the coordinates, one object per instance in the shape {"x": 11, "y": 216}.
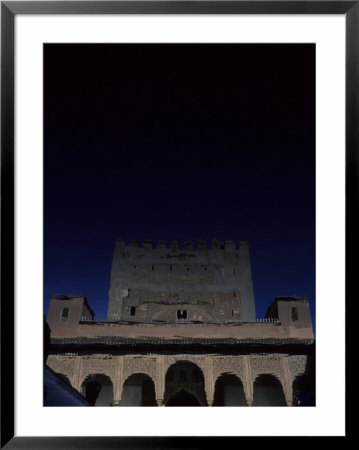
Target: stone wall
{"x": 207, "y": 282}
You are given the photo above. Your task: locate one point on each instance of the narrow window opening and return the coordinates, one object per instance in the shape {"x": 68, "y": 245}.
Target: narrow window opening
{"x": 133, "y": 310}
{"x": 234, "y": 293}
{"x": 294, "y": 313}
{"x": 171, "y": 268}
{"x": 65, "y": 314}
{"x": 184, "y": 314}
{"x": 232, "y": 312}
{"x": 187, "y": 269}
{"x": 153, "y": 267}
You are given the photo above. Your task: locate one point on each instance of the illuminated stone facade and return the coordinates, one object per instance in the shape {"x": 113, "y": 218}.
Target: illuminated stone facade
{"x": 181, "y": 330}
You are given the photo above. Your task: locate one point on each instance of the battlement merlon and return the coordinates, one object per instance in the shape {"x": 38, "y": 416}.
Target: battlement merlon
{"x": 222, "y": 254}
{"x": 188, "y": 244}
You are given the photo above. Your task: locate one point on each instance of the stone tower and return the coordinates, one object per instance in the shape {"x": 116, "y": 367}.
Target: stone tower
{"x": 168, "y": 283}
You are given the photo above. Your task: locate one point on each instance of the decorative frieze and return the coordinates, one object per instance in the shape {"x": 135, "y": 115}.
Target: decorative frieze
{"x": 266, "y": 364}
{"x": 296, "y": 365}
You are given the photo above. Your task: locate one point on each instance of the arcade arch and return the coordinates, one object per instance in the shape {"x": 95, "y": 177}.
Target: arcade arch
{"x": 268, "y": 391}
{"x": 228, "y": 391}
{"x": 184, "y": 385}
{"x": 98, "y": 390}
{"x": 138, "y": 390}
{"x": 183, "y": 398}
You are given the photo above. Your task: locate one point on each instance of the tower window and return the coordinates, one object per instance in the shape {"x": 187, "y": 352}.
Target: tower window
{"x": 294, "y": 314}
{"x": 181, "y": 314}
{"x": 133, "y": 310}
{"x": 153, "y": 267}
{"x": 65, "y": 314}
{"x": 171, "y": 268}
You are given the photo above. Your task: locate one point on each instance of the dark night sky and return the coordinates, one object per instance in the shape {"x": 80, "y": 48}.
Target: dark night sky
{"x": 174, "y": 141}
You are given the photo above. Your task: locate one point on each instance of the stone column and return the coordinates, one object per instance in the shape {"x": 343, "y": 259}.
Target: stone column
{"x": 247, "y": 380}
{"x": 160, "y": 380}
{"x": 118, "y": 381}
{"x": 208, "y": 380}
{"x": 287, "y": 382}
{"x": 76, "y": 379}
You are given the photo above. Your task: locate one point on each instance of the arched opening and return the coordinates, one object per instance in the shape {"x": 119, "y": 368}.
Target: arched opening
{"x": 303, "y": 391}
{"x": 184, "y": 381}
{"x": 268, "y": 391}
{"x": 98, "y": 390}
{"x": 183, "y": 398}
{"x": 138, "y": 390}
{"x": 228, "y": 391}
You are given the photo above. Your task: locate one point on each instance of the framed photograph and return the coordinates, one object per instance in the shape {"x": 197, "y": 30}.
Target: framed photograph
{"x": 178, "y": 198}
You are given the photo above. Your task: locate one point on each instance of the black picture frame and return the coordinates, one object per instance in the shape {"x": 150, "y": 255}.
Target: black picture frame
{"x": 9, "y": 10}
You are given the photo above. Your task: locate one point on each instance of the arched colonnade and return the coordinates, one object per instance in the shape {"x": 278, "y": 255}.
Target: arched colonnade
{"x": 180, "y": 380}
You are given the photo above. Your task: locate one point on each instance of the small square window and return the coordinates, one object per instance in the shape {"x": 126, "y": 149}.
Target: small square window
{"x": 181, "y": 314}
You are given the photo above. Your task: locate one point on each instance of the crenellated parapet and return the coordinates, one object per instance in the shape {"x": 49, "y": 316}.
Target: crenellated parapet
{"x": 186, "y": 245}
